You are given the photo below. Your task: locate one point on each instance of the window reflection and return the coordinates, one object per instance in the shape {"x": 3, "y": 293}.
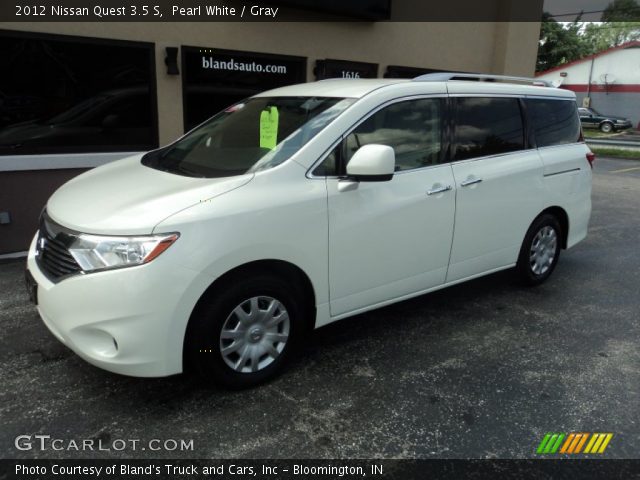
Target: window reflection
{"x": 555, "y": 122}
{"x": 67, "y": 94}
{"x": 487, "y": 126}
{"x": 411, "y": 128}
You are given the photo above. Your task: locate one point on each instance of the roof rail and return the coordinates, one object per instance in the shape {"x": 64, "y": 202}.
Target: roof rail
{"x": 479, "y": 77}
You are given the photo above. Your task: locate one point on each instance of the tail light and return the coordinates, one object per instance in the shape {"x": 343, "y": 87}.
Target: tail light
{"x": 591, "y": 157}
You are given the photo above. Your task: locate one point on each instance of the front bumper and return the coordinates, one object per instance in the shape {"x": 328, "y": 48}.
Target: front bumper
{"x": 129, "y": 321}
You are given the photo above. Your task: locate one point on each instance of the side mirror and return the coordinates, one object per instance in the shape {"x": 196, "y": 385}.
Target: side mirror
{"x": 110, "y": 121}
{"x": 372, "y": 163}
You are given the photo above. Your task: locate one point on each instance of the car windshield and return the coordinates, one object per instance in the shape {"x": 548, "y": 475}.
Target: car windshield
{"x": 250, "y": 136}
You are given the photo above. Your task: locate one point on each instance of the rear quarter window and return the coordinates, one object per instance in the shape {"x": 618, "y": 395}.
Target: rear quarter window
{"x": 554, "y": 122}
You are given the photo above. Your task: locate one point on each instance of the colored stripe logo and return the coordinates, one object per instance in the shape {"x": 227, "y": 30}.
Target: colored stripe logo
{"x": 574, "y": 443}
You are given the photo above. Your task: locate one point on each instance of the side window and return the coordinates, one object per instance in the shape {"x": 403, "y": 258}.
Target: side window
{"x": 555, "y": 122}
{"x": 412, "y": 128}
{"x": 487, "y": 126}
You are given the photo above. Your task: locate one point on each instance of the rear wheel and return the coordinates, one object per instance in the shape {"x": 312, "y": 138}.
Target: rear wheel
{"x": 540, "y": 250}
{"x": 245, "y": 331}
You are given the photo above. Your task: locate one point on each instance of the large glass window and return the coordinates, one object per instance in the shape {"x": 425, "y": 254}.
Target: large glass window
{"x": 248, "y": 137}
{"x": 61, "y": 94}
{"x": 487, "y": 126}
{"x": 413, "y": 128}
{"x": 555, "y": 122}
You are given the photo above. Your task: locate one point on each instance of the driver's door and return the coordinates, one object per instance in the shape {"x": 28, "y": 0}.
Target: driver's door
{"x": 392, "y": 239}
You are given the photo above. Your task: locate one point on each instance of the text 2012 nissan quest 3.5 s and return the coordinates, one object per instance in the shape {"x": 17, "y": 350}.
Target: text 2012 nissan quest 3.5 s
{"x": 304, "y": 205}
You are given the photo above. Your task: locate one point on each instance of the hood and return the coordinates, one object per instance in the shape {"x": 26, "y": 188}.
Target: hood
{"x": 127, "y": 198}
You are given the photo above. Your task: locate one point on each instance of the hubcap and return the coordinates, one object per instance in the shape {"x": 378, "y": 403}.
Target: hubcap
{"x": 543, "y": 250}
{"x": 254, "y": 334}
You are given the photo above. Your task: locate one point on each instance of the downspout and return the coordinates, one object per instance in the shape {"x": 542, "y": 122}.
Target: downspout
{"x": 589, "y": 84}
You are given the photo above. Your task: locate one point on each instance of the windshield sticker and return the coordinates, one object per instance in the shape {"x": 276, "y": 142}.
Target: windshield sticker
{"x": 269, "y": 128}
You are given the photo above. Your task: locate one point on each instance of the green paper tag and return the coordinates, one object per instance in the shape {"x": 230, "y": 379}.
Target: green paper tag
{"x": 269, "y": 128}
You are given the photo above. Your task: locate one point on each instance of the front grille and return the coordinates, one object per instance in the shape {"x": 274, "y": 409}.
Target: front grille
{"x": 52, "y": 250}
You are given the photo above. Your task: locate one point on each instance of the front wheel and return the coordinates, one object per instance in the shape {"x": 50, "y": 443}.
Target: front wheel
{"x": 244, "y": 333}
{"x": 606, "y": 127}
{"x": 540, "y": 250}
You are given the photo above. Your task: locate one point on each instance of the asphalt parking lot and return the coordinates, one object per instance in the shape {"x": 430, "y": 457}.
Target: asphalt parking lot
{"x": 479, "y": 370}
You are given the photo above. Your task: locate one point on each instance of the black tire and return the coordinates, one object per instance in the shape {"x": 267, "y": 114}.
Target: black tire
{"x": 526, "y": 267}
{"x": 203, "y": 340}
{"x": 607, "y": 127}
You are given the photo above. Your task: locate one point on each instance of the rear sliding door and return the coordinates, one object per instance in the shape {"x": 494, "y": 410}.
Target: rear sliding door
{"x": 499, "y": 187}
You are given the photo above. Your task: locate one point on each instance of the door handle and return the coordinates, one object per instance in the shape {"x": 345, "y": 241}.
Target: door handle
{"x": 440, "y": 189}
{"x": 470, "y": 181}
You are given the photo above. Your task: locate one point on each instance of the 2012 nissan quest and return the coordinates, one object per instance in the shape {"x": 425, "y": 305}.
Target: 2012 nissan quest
{"x": 304, "y": 205}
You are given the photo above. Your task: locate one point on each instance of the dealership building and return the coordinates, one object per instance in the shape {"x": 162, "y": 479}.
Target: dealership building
{"x": 76, "y": 95}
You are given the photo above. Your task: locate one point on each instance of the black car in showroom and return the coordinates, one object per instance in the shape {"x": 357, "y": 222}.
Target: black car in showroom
{"x": 590, "y": 118}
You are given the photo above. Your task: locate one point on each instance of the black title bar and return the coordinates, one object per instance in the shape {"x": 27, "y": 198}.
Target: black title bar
{"x": 306, "y": 469}
{"x": 271, "y": 10}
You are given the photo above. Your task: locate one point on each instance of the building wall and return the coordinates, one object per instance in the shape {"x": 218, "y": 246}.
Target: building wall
{"x": 491, "y": 47}
{"x": 26, "y": 194}
{"x": 623, "y": 64}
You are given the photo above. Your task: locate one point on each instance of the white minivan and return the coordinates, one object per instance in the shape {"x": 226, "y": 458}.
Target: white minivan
{"x": 304, "y": 205}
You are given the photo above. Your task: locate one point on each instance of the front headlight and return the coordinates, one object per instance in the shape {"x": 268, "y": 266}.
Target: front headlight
{"x": 96, "y": 252}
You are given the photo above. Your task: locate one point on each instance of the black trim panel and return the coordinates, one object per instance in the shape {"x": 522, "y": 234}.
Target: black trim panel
{"x": 563, "y": 171}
